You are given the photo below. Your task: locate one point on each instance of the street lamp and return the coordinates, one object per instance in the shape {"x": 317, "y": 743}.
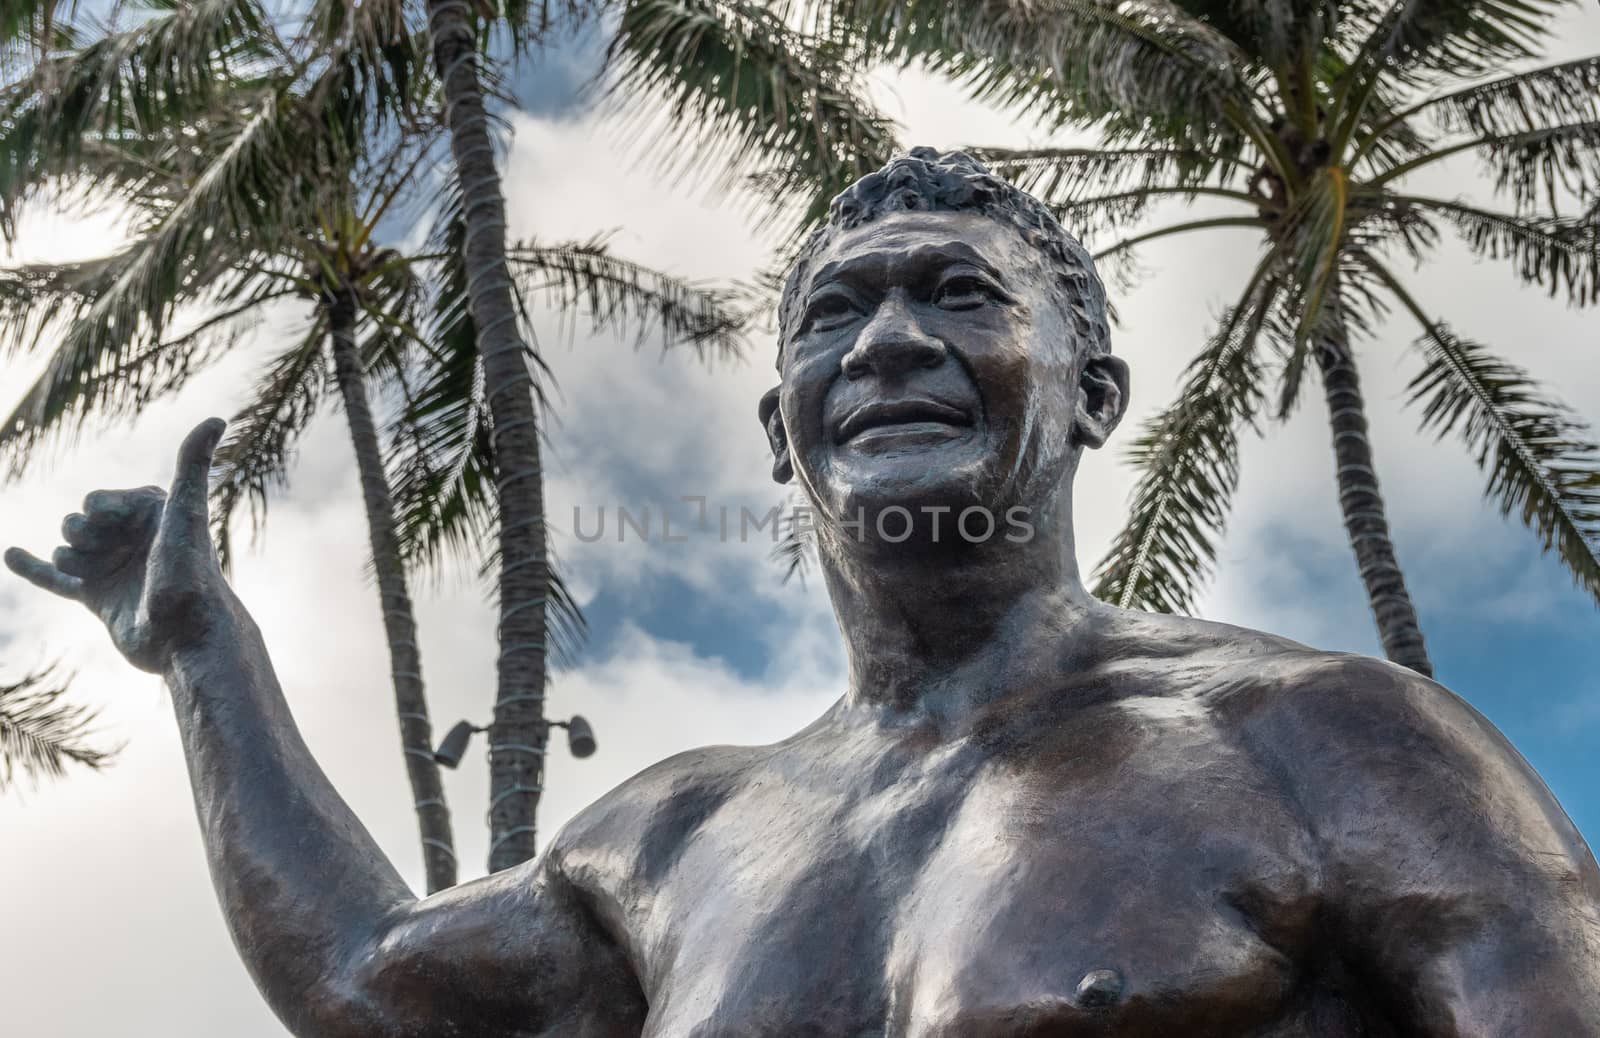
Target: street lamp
{"x": 580, "y": 739}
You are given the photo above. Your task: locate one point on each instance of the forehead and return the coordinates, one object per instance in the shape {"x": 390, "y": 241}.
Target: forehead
{"x": 876, "y": 248}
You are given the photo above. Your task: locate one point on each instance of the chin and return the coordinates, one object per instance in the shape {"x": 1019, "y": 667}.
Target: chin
{"x": 913, "y": 499}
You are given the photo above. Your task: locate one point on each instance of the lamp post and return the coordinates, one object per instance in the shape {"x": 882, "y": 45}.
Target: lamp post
{"x": 580, "y": 739}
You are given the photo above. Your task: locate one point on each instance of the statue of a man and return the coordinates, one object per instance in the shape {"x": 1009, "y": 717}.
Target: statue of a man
{"x": 1029, "y": 814}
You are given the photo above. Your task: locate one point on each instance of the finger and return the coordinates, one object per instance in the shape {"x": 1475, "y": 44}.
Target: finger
{"x": 81, "y": 533}
{"x": 116, "y": 506}
{"x": 40, "y": 573}
{"x": 192, "y": 482}
{"x": 75, "y": 563}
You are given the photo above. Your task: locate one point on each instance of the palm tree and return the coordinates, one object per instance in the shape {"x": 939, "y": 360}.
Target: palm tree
{"x": 379, "y": 314}
{"x": 719, "y": 67}
{"x": 117, "y": 355}
{"x": 517, "y": 732}
{"x": 738, "y": 84}
{"x": 1305, "y": 122}
{"x": 40, "y": 735}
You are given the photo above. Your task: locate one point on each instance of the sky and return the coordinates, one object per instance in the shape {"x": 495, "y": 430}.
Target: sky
{"x": 108, "y": 918}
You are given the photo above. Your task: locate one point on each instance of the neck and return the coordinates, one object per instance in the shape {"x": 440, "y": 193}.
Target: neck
{"x": 948, "y": 627}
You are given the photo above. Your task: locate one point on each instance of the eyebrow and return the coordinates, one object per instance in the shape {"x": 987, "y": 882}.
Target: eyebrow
{"x": 946, "y": 253}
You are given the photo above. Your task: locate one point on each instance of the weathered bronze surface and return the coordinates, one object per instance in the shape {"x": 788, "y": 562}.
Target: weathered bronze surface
{"x": 1029, "y": 814}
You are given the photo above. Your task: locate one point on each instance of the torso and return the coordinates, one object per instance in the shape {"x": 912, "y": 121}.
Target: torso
{"x": 1105, "y": 855}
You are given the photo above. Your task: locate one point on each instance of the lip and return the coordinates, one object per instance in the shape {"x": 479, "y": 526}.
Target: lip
{"x": 891, "y": 413}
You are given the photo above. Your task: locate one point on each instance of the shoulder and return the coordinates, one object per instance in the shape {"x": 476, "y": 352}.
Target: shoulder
{"x": 1380, "y": 724}
{"x": 639, "y": 829}
{"x": 1274, "y": 689}
{"x": 653, "y": 811}
{"x": 1368, "y": 751}
{"x": 1395, "y": 772}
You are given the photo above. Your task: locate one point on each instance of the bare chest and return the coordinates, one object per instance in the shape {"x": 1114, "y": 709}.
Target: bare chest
{"x": 1155, "y": 890}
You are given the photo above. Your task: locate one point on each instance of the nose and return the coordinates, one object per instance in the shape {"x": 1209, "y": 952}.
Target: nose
{"x": 892, "y": 344}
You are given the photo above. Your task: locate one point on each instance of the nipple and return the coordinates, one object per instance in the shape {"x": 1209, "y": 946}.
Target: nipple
{"x": 1099, "y": 988}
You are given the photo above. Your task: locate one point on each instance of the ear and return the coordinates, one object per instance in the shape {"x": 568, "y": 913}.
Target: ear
{"x": 772, "y": 421}
{"x": 1102, "y": 399}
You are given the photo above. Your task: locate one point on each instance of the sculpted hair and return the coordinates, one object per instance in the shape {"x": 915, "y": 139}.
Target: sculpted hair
{"x": 926, "y": 180}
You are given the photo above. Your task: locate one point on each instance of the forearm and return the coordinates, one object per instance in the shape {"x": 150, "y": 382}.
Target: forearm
{"x": 302, "y": 884}
{"x": 333, "y": 937}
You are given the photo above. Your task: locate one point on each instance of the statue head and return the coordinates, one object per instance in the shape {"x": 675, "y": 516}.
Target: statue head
{"x": 943, "y": 345}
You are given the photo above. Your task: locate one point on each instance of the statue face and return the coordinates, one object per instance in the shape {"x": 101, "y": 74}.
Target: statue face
{"x": 929, "y": 366}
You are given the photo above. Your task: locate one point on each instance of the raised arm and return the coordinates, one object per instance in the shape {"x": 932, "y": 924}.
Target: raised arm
{"x": 333, "y": 937}
{"x": 1464, "y": 900}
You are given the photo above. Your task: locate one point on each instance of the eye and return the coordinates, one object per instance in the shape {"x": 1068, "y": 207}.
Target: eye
{"x": 829, "y": 310}
{"x": 965, "y": 292}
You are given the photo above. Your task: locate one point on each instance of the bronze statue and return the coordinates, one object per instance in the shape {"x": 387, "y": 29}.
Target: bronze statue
{"x": 1029, "y": 814}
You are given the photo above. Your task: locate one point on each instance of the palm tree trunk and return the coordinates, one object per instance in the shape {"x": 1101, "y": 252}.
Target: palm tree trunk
{"x": 1365, "y": 516}
{"x": 405, "y": 660}
{"x": 518, "y": 732}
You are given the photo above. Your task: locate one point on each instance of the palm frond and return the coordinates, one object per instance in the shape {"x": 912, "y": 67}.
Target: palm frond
{"x": 1350, "y": 310}
{"x": 33, "y": 296}
{"x": 797, "y": 538}
{"x": 1541, "y": 460}
{"x": 1141, "y": 69}
{"x": 1387, "y": 133}
{"x": 1278, "y": 31}
{"x": 1063, "y": 175}
{"x": 1537, "y": 166}
{"x": 1412, "y": 40}
{"x": 243, "y": 195}
{"x": 52, "y": 410}
{"x": 31, "y": 30}
{"x": 382, "y": 48}
{"x": 744, "y": 94}
{"x": 441, "y": 460}
{"x": 1127, "y": 244}
{"x": 1559, "y": 255}
{"x": 1315, "y": 244}
{"x": 1189, "y": 457}
{"x": 441, "y": 453}
{"x": 531, "y": 24}
{"x": 165, "y": 72}
{"x": 41, "y": 734}
{"x": 254, "y": 458}
{"x": 1524, "y": 102}
{"x": 618, "y": 294}
{"x": 1099, "y": 190}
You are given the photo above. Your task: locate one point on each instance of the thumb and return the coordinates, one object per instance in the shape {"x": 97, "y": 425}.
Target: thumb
{"x": 187, "y": 511}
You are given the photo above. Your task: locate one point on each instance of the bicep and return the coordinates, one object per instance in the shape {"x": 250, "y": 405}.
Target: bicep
{"x": 1458, "y": 888}
{"x": 1478, "y": 949}
{"x": 516, "y": 953}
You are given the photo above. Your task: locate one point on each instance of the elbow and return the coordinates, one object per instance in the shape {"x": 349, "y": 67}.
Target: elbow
{"x": 337, "y": 1006}
{"x": 352, "y": 997}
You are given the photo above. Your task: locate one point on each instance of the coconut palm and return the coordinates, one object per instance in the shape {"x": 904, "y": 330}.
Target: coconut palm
{"x": 748, "y": 88}
{"x": 1305, "y": 122}
{"x": 395, "y": 318}
{"x": 41, "y": 734}
{"x": 727, "y": 70}
{"x": 224, "y": 217}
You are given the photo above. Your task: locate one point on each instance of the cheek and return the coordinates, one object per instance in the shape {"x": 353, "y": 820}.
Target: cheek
{"x": 1029, "y": 395}
{"x": 800, "y": 403}
{"x": 1009, "y": 377}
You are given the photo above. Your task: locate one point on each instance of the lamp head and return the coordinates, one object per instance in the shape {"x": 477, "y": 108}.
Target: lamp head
{"x": 580, "y": 737}
{"x": 454, "y": 746}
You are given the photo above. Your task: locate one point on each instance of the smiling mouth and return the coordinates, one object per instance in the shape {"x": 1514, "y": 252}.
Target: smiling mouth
{"x": 901, "y": 415}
